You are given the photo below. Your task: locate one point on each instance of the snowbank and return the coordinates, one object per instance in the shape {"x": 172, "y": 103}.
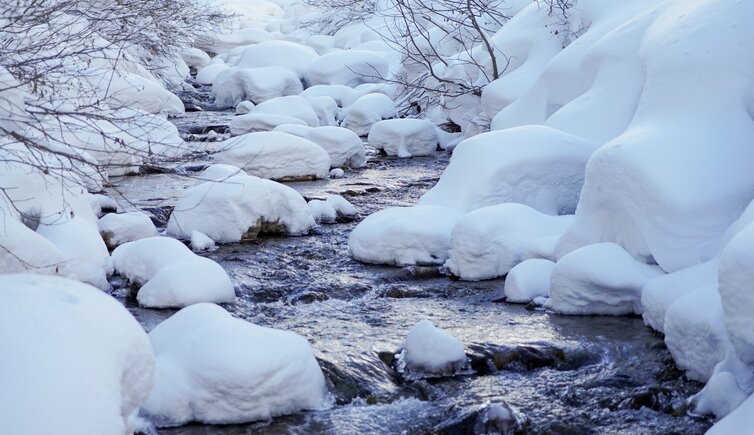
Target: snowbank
{"x": 487, "y": 242}
{"x": 170, "y": 275}
{"x": 232, "y": 206}
{"x": 599, "y": 279}
{"x": 404, "y": 236}
{"x": 71, "y": 352}
{"x": 275, "y": 155}
{"x": 214, "y": 368}
{"x": 404, "y": 137}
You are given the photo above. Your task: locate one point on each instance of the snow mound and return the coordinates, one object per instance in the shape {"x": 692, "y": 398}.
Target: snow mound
{"x": 244, "y": 107}
{"x": 72, "y": 351}
{"x": 368, "y": 110}
{"x": 327, "y": 110}
{"x": 208, "y": 74}
{"x": 292, "y": 105}
{"x": 260, "y": 122}
{"x": 736, "y": 275}
{"x": 200, "y": 242}
{"x": 342, "y": 206}
{"x": 223, "y": 43}
{"x": 233, "y": 85}
{"x": 275, "y": 155}
{"x": 195, "y": 58}
{"x": 599, "y": 279}
{"x": 404, "y": 137}
{"x": 26, "y": 251}
{"x": 322, "y": 211}
{"x": 404, "y": 236}
{"x": 214, "y": 368}
{"x": 431, "y": 350}
{"x": 529, "y": 280}
{"x": 343, "y": 95}
{"x": 119, "y": 228}
{"x": 233, "y": 206}
{"x": 344, "y": 147}
{"x": 291, "y": 55}
{"x": 170, "y": 275}
{"x": 487, "y": 242}
{"x": 533, "y": 165}
{"x": 737, "y": 422}
{"x": 347, "y": 67}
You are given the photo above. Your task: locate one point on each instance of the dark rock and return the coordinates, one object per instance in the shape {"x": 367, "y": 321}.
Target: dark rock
{"x": 308, "y": 298}
{"x": 488, "y": 359}
{"x": 159, "y": 215}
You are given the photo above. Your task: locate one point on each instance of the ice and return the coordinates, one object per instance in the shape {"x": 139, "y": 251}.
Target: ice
{"x": 119, "y": 228}
{"x": 214, "y": 368}
{"x": 72, "y": 353}
{"x": 170, "y": 275}
{"x": 274, "y": 155}
{"x": 404, "y": 137}
{"x": 231, "y": 206}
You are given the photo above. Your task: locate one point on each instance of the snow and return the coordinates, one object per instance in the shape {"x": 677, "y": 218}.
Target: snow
{"x": 367, "y": 111}
{"x": 233, "y": 85}
{"x": 341, "y": 206}
{"x": 337, "y": 173}
{"x": 72, "y": 351}
{"x": 737, "y": 422}
{"x": 214, "y": 368}
{"x": 529, "y": 280}
{"x": 534, "y": 165}
{"x": 404, "y": 236}
{"x": 327, "y": 110}
{"x": 275, "y": 155}
{"x": 322, "y": 211}
{"x": 170, "y": 275}
{"x": 244, "y": 107}
{"x": 119, "y": 228}
{"x": 293, "y": 105}
{"x": 208, "y": 74}
{"x": 735, "y": 279}
{"x": 260, "y": 122}
{"x": 26, "y": 251}
{"x": 487, "y": 242}
{"x": 200, "y": 242}
{"x": 343, "y": 95}
{"x": 223, "y": 43}
{"x": 404, "y": 137}
{"x": 347, "y": 67}
{"x": 232, "y": 206}
{"x": 599, "y": 279}
{"x": 291, "y": 55}
{"x": 195, "y": 58}
{"x": 128, "y": 90}
{"x": 344, "y": 147}
{"x": 430, "y": 349}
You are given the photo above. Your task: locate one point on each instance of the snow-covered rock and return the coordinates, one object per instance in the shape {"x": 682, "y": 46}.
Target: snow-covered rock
{"x": 291, "y": 55}
{"x": 208, "y": 74}
{"x": 73, "y": 352}
{"x": 528, "y": 280}
{"x": 404, "y": 236}
{"x": 25, "y": 251}
{"x": 195, "y": 58}
{"x": 200, "y": 242}
{"x": 119, "y": 228}
{"x": 170, "y": 275}
{"x": 293, "y": 105}
{"x": 275, "y": 155}
{"x": 737, "y": 422}
{"x": 342, "y": 206}
{"x": 337, "y": 173}
{"x": 487, "y": 242}
{"x": 344, "y": 147}
{"x": 404, "y": 137}
{"x": 224, "y": 42}
{"x": 368, "y": 110}
{"x": 347, "y": 67}
{"x": 244, "y": 107}
{"x": 326, "y": 108}
{"x": 261, "y": 122}
{"x": 431, "y": 350}
{"x": 532, "y": 165}
{"x": 231, "y": 206}
{"x": 322, "y": 211}
{"x": 233, "y": 85}
{"x": 343, "y": 95}
{"x": 214, "y": 368}
{"x": 736, "y": 276}
{"x": 599, "y": 279}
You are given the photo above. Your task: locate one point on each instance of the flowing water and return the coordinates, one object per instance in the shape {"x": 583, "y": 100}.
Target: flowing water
{"x": 565, "y": 375}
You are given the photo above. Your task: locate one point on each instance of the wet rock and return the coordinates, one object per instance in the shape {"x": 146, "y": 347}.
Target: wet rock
{"x": 488, "y": 359}
{"x": 308, "y": 298}
{"x": 495, "y": 418}
{"x": 366, "y": 378}
{"x": 261, "y": 228}
{"x": 612, "y": 380}
{"x": 159, "y": 215}
{"x": 155, "y": 169}
{"x": 656, "y": 398}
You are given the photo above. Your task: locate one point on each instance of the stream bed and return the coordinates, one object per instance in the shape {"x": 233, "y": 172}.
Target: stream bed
{"x": 559, "y": 374}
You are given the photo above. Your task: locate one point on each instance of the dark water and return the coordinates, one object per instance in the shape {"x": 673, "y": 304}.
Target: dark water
{"x": 565, "y": 375}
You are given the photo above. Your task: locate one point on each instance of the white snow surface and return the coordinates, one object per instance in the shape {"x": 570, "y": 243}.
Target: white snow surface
{"x": 73, "y": 351}
{"x": 736, "y": 275}
{"x": 347, "y": 67}
{"x": 344, "y": 147}
{"x": 404, "y": 137}
{"x": 214, "y": 368}
{"x": 119, "y": 228}
{"x": 368, "y": 110}
{"x": 528, "y": 280}
{"x": 236, "y": 84}
{"x": 430, "y": 349}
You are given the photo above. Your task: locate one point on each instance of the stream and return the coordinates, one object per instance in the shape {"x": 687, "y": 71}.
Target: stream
{"x": 560, "y": 374}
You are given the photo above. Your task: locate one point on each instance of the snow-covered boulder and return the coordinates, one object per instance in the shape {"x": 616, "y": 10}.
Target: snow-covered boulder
{"x": 291, "y": 55}
{"x": 293, "y": 105}
{"x": 342, "y": 206}
{"x": 195, "y": 58}
{"x": 232, "y": 206}
{"x": 404, "y": 137}
{"x": 343, "y": 95}
{"x": 739, "y": 421}
{"x": 736, "y": 277}
{"x": 214, "y": 368}
{"x": 244, "y": 107}
{"x": 326, "y": 108}
{"x": 528, "y": 280}
{"x": 208, "y": 74}
{"x": 533, "y": 165}
{"x": 344, "y": 147}
{"x": 599, "y": 279}
{"x": 26, "y": 251}
{"x": 274, "y": 155}
{"x": 224, "y": 42}
{"x": 260, "y": 122}
{"x": 367, "y": 111}
{"x": 695, "y": 332}
{"x": 322, "y": 211}
{"x": 404, "y": 236}
{"x": 429, "y": 349}
{"x": 119, "y": 228}
{"x": 200, "y": 242}
{"x": 347, "y": 67}
{"x": 170, "y": 275}
{"x": 132, "y": 91}
{"x": 71, "y": 352}
{"x": 487, "y": 242}
{"x": 233, "y": 85}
